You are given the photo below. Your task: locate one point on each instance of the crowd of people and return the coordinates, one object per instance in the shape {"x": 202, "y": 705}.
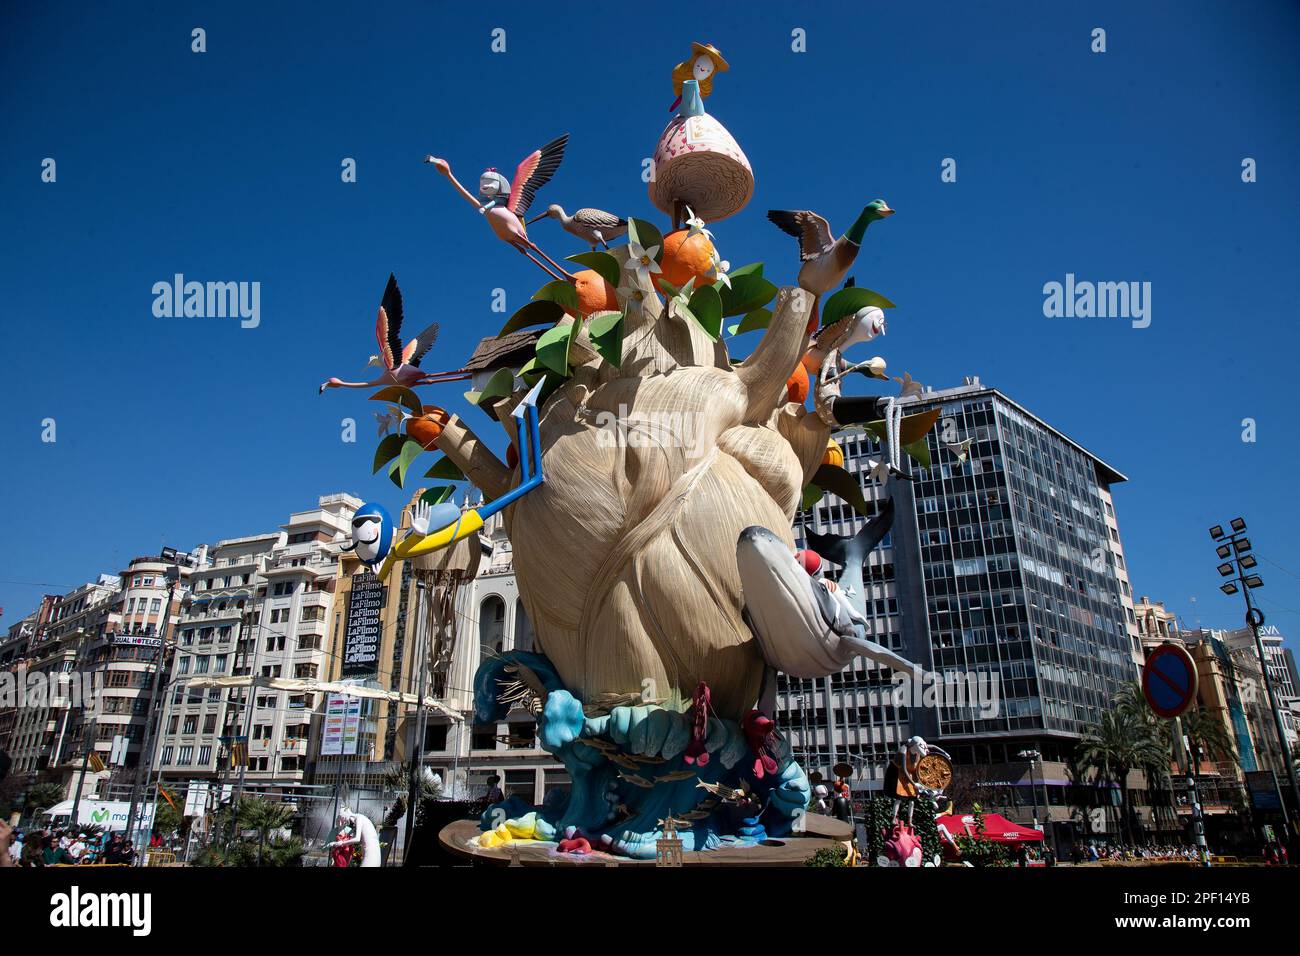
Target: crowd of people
{"x": 55, "y": 847}
{"x": 1123, "y": 852}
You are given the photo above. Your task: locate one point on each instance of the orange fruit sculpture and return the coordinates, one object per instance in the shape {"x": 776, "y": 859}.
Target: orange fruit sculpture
{"x": 686, "y": 257}
{"x": 797, "y": 385}
{"x": 594, "y": 293}
{"x": 427, "y": 427}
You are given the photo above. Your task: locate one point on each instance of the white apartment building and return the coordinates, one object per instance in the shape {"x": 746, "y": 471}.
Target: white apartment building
{"x": 259, "y": 609}
{"x": 113, "y": 632}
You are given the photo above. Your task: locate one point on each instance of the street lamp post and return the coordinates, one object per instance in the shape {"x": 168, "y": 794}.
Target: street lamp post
{"x": 1238, "y": 568}
{"x": 420, "y": 680}
{"x": 87, "y": 742}
{"x": 1033, "y": 756}
{"x": 250, "y": 699}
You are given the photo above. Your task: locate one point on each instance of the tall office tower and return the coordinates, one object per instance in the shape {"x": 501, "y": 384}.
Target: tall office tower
{"x": 1003, "y": 565}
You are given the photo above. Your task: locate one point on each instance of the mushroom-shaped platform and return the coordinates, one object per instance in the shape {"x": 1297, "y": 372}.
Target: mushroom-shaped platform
{"x": 698, "y": 163}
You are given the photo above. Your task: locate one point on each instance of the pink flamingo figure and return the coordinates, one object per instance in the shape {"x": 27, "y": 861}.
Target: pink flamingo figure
{"x": 507, "y": 217}
{"x": 401, "y": 364}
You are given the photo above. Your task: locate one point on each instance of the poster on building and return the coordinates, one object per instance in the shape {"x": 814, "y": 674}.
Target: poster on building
{"x": 1262, "y": 786}
{"x": 341, "y": 730}
{"x": 352, "y": 726}
{"x": 331, "y": 743}
{"x": 361, "y": 636}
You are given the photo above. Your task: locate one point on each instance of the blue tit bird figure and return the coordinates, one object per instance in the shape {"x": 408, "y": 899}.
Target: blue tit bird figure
{"x": 372, "y": 534}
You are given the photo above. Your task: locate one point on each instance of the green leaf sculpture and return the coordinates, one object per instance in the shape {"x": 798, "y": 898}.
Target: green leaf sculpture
{"x": 919, "y": 451}
{"x": 500, "y": 385}
{"x": 388, "y": 449}
{"x": 849, "y": 300}
{"x": 553, "y": 349}
{"x": 538, "y": 312}
{"x": 438, "y": 494}
{"x": 605, "y": 329}
{"x": 747, "y": 293}
{"x": 753, "y": 268}
{"x": 560, "y": 292}
{"x": 446, "y": 469}
{"x": 838, "y": 481}
{"x": 398, "y": 395}
{"x": 398, "y": 467}
{"x": 811, "y": 495}
{"x": 706, "y": 308}
{"x": 605, "y": 265}
{"x": 758, "y": 319}
{"x": 646, "y": 235}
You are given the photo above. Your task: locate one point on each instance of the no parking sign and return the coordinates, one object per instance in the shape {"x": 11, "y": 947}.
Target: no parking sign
{"x": 1169, "y": 680}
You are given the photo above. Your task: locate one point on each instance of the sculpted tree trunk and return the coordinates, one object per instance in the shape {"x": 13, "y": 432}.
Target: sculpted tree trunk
{"x": 669, "y": 475}
{"x": 626, "y": 555}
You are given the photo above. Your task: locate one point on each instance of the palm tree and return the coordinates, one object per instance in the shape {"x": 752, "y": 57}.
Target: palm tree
{"x": 1207, "y": 736}
{"x": 262, "y": 815}
{"x": 1130, "y": 700}
{"x": 42, "y": 796}
{"x": 1120, "y": 742}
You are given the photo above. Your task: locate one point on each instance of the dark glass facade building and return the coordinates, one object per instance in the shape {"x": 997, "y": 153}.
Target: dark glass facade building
{"x": 1004, "y": 563}
{"x": 1020, "y": 579}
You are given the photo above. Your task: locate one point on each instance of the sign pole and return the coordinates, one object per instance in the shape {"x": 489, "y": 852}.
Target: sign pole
{"x": 1169, "y": 684}
{"x": 1189, "y": 773}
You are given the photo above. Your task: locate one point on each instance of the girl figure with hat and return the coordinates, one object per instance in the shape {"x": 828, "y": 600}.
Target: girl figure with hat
{"x": 693, "y": 78}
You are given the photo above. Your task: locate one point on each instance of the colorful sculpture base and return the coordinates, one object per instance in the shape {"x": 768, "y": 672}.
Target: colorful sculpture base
{"x": 629, "y": 773}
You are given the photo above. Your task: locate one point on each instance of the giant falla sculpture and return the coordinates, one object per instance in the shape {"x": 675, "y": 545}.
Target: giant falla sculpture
{"x": 649, "y": 489}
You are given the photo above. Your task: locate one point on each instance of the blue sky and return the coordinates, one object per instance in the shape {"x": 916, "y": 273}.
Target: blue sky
{"x": 224, "y": 166}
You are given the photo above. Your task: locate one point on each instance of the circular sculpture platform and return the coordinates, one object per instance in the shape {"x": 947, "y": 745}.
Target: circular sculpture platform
{"x": 792, "y": 850}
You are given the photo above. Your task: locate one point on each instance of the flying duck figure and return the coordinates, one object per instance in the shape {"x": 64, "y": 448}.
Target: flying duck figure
{"x": 400, "y": 363}
{"x": 504, "y": 206}
{"x": 592, "y": 226}
{"x": 826, "y": 261}
{"x": 435, "y": 528}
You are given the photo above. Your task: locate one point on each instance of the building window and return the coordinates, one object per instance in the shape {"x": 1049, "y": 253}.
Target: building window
{"x": 492, "y": 622}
